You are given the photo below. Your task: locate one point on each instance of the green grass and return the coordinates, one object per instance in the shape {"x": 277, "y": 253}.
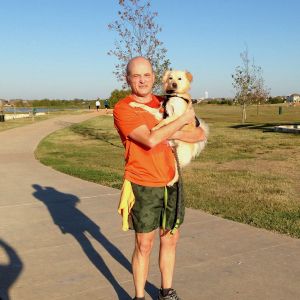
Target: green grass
{"x": 91, "y": 150}
{"x": 246, "y": 173}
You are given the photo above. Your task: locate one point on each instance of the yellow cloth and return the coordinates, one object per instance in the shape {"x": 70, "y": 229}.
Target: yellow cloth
{"x": 126, "y": 203}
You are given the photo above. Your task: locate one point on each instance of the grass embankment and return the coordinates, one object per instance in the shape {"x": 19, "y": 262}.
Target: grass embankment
{"x": 246, "y": 173}
{"x": 9, "y": 124}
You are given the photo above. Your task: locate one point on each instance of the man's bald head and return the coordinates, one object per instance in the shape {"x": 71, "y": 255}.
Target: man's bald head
{"x": 140, "y": 77}
{"x": 137, "y": 60}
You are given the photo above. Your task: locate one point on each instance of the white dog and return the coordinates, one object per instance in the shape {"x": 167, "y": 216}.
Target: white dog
{"x": 176, "y": 84}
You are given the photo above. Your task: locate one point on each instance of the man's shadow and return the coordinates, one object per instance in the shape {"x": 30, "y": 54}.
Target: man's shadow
{"x": 9, "y": 272}
{"x": 69, "y": 219}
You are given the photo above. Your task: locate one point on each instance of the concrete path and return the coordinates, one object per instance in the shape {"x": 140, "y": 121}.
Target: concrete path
{"x": 60, "y": 238}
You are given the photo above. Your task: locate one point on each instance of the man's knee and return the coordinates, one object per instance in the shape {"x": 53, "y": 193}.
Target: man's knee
{"x": 168, "y": 240}
{"x": 144, "y": 245}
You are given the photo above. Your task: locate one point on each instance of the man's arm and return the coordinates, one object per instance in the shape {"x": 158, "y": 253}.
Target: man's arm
{"x": 193, "y": 136}
{"x": 143, "y": 135}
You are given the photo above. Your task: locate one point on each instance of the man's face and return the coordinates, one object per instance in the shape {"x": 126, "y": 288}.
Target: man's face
{"x": 140, "y": 77}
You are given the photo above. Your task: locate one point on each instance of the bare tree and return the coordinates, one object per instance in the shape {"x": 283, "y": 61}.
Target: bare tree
{"x": 249, "y": 84}
{"x": 1, "y": 106}
{"x": 138, "y": 36}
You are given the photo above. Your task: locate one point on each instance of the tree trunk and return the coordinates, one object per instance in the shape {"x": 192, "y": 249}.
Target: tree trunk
{"x": 244, "y": 116}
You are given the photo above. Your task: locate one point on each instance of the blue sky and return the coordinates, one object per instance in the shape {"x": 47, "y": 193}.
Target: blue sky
{"x": 58, "y": 48}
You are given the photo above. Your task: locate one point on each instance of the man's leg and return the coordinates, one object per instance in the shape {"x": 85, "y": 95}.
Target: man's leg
{"x": 167, "y": 255}
{"x": 140, "y": 260}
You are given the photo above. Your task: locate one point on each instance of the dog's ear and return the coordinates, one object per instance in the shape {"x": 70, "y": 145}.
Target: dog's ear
{"x": 165, "y": 76}
{"x": 189, "y": 76}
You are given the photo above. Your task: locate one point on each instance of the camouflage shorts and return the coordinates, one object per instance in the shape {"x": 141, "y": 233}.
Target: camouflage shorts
{"x": 148, "y": 210}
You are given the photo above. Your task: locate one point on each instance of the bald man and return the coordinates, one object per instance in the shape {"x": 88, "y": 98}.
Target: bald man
{"x": 149, "y": 166}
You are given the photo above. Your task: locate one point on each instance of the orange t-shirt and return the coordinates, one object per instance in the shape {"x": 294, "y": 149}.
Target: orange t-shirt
{"x": 143, "y": 165}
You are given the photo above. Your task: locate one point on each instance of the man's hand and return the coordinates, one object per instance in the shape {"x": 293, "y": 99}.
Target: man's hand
{"x": 150, "y": 139}
{"x": 193, "y": 136}
{"x": 189, "y": 115}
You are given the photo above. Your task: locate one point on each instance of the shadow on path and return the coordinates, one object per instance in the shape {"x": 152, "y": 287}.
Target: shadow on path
{"x": 9, "y": 272}
{"x": 265, "y": 127}
{"x": 99, "y": 134}
{"x": 65, "y": 214}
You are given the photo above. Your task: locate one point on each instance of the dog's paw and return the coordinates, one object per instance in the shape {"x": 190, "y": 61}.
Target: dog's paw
{"x": 134, "y": 104}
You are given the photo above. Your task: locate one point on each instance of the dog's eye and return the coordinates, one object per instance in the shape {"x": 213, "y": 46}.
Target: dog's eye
{"x": 179, "y": 78}
{"x": 170, "y": 78}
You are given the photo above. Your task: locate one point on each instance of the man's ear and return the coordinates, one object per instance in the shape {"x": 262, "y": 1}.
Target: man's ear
{"x": 127, "y": 79}
{"x": 189, "y": 76}
{"x": 165, "y": 76}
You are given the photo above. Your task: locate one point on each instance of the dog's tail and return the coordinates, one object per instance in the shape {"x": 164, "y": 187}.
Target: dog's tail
{"x": 201, "y": 145}
{"x": 205, "y": 127}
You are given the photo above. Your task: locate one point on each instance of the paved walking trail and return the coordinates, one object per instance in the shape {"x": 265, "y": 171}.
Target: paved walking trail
{"x": 60, "y": 238}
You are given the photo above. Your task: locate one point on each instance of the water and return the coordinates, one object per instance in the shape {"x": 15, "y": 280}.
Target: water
{"x": 25, "y": 110}
{"x": 288, "y": 128}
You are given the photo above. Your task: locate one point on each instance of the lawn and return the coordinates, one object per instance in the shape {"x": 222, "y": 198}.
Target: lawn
{"x": 246, "y": 173}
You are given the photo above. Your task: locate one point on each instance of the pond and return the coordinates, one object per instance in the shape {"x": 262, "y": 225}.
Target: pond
{"x": 25, "y": 110}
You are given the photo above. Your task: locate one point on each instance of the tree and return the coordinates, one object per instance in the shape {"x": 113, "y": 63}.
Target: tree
{"x": 116, "y": 95}
{"x": 138, "y": 36}
{"x": 249, "y": 84}
{"x": 275, "y": 100}
{"x": 1, "y": 106}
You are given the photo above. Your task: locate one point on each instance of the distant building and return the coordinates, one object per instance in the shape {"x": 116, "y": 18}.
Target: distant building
{"x": 293, "y": 99}
{"x": 206, "y": 95}
{"x": 25, "y": 103}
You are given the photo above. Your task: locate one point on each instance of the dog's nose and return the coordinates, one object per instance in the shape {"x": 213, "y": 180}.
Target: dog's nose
{"x": 174, "y": 85}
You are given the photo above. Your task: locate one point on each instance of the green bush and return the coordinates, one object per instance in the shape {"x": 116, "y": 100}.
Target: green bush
{"x": 117, "y": 95}
{"x": 274, "y": 100}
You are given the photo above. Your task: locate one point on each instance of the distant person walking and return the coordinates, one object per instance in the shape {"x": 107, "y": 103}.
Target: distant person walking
{"x": 106, "y": 104}
{"x": 97, "y": 104}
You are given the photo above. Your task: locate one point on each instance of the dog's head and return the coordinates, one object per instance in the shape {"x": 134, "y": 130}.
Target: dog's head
{"x": 178, "y": 82}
